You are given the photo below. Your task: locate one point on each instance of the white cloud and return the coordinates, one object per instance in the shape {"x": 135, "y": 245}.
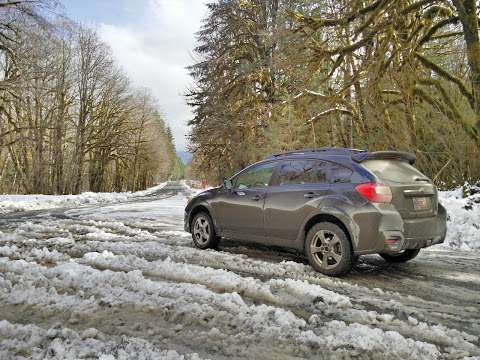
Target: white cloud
{"x": 154, "y": 51}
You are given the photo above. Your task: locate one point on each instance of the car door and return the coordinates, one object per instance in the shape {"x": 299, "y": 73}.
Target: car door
{"x": 240, "y": 210}
{"x": 296, "y": 191}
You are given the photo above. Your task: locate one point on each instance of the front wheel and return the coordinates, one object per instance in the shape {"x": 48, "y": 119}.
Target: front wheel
{"x": 203, "y": 232}
{"x": 328, "y": 249}
{"x": 402, "y": 256}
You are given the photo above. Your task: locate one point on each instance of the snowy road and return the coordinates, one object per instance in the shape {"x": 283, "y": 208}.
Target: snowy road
{"x": 123, "y": 281}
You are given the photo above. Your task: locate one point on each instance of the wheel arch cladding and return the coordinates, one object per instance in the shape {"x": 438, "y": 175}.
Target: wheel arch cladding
{"x": 325, "y": 217}
{"x": 198, "y": 209}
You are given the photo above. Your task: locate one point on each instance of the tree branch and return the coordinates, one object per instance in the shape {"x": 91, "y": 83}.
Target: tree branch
{"x": 316, "y": 23}
{"x": 328, "y": 112}
{"x": 427, "y": 37}
{"x": 446, "y": 75}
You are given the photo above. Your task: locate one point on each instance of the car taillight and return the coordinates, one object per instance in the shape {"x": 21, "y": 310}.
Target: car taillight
{"x": 378, "y": 193}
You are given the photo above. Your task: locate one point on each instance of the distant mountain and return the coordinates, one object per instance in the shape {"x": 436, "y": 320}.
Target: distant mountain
{"x": 185, "y": 156}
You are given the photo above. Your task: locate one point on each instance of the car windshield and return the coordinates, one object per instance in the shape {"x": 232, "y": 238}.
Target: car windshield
{"x": 256, "y": 177}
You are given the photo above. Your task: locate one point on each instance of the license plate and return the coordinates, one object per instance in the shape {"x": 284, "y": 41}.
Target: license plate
{"x": 421, "y": 203}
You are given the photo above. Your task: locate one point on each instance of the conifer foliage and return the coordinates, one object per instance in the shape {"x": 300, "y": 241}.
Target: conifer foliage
{"x": 275, "y": 75}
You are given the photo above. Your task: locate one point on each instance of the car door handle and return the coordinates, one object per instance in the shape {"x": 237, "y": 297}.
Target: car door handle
{"x": 257, "y": 197}
{"x": 240, "y": 193}
{"x": 310, "y": 195}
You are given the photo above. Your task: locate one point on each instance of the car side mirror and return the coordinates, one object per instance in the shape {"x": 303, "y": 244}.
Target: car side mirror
{"x": 227, "y": 184}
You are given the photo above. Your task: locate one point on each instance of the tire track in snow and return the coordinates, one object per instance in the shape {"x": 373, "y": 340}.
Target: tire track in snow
{"x": 227, "y": 312}
{"x": 287, "y": 293}
{"x": 245, "y": 265}
{"x": 89, "y": 230}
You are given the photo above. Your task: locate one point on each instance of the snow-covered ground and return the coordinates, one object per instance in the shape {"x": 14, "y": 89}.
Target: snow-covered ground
{"x": 122, "y": 281}
{"x": 463, "y": 219}
{"x": 463, "y": 225}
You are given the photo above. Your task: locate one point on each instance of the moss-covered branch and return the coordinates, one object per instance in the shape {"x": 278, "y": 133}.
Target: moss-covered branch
{"x": 446, "y": 75}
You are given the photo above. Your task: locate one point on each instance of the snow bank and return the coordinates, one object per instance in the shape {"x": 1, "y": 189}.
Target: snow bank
{"x": 463, "y": 217}
{"x": 149, "y": 191}
{"x": 14, "y": 203}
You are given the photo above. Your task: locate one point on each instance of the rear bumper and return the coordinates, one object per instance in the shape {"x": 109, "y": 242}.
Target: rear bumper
{"x": 395, "y": 241}
{"x": 396, "y": 234}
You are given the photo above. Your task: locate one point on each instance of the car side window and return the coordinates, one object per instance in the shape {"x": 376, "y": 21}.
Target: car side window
{"x": 256, "y": 177}
{"x": 312, "y": 172}
{"x": 303, "y": 172}
{"x": 339, "y": 174}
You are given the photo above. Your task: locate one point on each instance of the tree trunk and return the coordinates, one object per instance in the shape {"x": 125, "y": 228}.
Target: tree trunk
{"x": 78, "y": 158}
{"x": 409, "y": 105}
{"x": 58, "y": 187}
{"x": 59, "y": 125}
{"x": 467, "y": 13}
{"x": 98, "y": 163}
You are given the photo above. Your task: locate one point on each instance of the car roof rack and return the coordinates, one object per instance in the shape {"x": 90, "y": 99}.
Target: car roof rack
{"x": 330, "y": 150}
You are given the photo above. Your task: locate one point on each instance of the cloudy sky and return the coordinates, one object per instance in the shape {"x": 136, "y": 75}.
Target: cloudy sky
{"x": 152, "y": 40}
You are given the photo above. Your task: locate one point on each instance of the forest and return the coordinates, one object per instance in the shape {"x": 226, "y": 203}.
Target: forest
{"x": 275, "y": 75}
{"x": 70, "y": 119}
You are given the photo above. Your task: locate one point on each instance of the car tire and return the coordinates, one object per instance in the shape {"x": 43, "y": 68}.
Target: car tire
{"x": 328, "y": 249}
{"x": 203, "y": 232}
{"x": 403, "y": 256}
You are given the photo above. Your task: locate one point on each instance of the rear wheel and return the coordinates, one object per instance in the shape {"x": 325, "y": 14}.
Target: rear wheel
{"x": 402, "y": 256}
{"x": 328, "y": 249}
{"x": 203, "y": 232}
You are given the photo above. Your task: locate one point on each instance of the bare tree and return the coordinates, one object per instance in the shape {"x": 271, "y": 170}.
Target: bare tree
{"x": 93, "y": 61}
{"x": 65, "y": 108}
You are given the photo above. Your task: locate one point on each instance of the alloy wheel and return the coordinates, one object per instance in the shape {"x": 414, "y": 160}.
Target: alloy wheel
{"x": 201, "y": 230}
{"x": 326, "y": 249}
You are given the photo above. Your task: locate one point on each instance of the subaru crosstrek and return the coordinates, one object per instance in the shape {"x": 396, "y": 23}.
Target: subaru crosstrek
{"x": 333, "y": 204}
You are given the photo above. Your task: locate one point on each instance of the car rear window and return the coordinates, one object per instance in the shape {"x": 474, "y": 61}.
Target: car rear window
{"x": 393, "y": 170}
